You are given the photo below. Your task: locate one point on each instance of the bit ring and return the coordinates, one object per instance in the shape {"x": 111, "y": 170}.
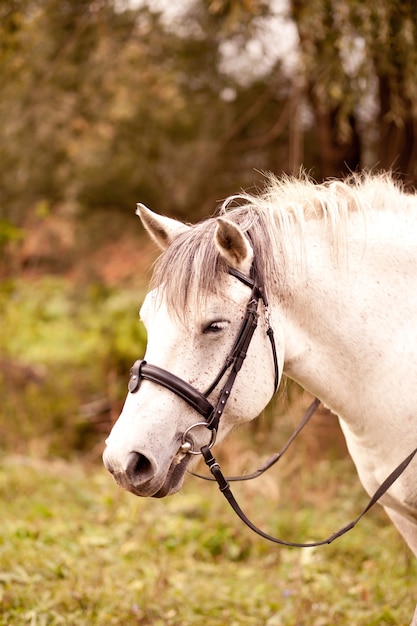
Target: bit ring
{"x": 187, "y": 445}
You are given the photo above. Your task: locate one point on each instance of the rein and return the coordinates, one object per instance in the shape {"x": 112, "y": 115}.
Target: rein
{"x": 274, "y": 458}
{"x": 212, "y": 414}
{"x": 224, "y": 487}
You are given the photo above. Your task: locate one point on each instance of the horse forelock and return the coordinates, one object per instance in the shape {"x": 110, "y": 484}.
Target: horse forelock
{"x": 191, "y": 268}
{"x": 187, "y": 272}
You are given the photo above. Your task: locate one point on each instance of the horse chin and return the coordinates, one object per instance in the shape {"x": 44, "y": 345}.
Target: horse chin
{"x": 174, "y": 479}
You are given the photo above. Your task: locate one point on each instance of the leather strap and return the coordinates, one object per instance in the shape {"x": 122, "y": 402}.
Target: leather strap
{"x": 234, "y": 361}
{"x": 236, "y": 358}
{"x": 198, "y": 401}
{"x": 226, "y": 491}
{"x": 142, "y": 369}
{"x": 274, "y": 458}
{"x": 240, "y": 348}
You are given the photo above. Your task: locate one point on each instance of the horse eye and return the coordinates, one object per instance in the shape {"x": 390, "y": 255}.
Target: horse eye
{"x": 215, "y": 327}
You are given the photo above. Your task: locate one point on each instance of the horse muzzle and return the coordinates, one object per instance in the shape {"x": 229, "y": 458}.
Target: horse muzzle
{"x": 139, "y": 473}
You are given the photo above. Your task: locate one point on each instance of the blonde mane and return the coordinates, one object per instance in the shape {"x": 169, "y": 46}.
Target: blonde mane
{"x": 189, "y": 269}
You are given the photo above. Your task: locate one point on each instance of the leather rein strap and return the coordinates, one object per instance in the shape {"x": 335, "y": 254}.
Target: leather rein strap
{"x": 224, "y": 487}
{"x": 274, "y": 458}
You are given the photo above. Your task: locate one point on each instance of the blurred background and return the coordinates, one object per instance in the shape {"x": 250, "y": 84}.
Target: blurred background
{"x": 105, "y": 103}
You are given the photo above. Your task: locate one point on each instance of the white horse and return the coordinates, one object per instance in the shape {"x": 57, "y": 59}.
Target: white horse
{"x": 338, "y": 264}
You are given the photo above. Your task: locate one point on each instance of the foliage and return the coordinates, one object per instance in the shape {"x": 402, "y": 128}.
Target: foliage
{"x": 103, "y": 106}
{"x": 359, "y": 62}
{"x": 353, "y": 69}
{"x": 52, "y": 322}
{"x": 63, "y": 347}
{"x": 77, "y": 550}
{"x": 9, "y": 233}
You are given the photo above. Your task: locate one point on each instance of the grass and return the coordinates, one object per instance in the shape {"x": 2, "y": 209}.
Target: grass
{"x": 76, "y": 550}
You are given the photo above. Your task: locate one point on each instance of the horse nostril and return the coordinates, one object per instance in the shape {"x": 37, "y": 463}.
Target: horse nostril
{"x": 139, "y": 468}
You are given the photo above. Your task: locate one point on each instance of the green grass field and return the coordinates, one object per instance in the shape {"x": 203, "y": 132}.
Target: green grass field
{"x": 76, "y": 550}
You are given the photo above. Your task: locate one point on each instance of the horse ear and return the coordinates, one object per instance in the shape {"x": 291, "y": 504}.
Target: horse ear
{"x": 163, "y": 230}
{"x": 233, "y": 245}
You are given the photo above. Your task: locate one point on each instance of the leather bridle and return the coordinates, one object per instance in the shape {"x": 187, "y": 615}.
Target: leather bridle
{"x": 198, "y": 401}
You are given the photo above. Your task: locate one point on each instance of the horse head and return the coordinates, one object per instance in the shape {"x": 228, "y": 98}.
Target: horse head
{"x": 193, "y": 317}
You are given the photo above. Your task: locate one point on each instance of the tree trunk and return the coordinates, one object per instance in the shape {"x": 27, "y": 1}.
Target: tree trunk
{"x": 338, "y": 152}
{"x": 335, "y": 158}
{"x": 397, "y": 145}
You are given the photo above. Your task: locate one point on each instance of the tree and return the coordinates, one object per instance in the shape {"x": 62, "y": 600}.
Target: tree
{"x": 389, "y": 31}
{"x": 330, "y": 90}
{"x": 356, "y": 74}
{"x": 104, "y": 106}
{"x": 354, "y": 52}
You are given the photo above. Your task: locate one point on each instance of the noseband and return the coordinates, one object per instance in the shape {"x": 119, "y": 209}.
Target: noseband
{"x": 198, "y": 401}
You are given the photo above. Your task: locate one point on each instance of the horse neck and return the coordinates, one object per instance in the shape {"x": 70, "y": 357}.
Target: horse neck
{"x": 342, "y": 315}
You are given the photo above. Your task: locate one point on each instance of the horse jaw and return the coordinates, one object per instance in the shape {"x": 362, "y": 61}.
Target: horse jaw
{"x": 162, "y": 230}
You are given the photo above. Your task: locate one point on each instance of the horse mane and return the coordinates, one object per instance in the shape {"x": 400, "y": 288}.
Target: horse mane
{"x": 189, "y": 270}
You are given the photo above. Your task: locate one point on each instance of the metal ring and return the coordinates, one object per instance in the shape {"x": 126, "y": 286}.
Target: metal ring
{"x": 187, "y": 445}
